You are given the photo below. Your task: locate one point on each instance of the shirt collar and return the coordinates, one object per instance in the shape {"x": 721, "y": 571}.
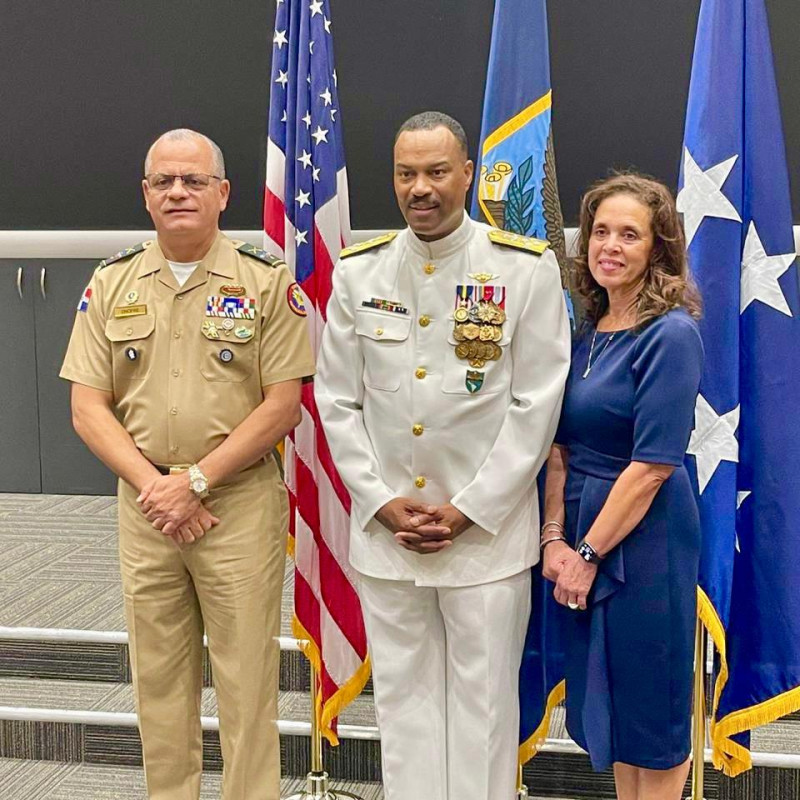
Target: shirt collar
{"x": 441, "y": 248}
{"x": 219, "y": 260}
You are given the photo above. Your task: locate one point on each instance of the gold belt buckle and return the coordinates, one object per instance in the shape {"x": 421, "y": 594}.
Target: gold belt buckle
{"x": 178, "y": 469}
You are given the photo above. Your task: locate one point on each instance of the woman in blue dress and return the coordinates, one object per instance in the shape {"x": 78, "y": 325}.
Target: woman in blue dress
{"x": 621, "y": 536}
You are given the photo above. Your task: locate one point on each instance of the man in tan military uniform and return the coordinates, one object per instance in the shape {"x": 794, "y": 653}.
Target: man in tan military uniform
{"x": 186, "y": 361}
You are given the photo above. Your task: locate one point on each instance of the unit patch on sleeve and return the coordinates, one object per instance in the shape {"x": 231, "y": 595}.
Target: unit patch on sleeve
{"x": 294, "y": 297}
{"x": 85, "y": 298}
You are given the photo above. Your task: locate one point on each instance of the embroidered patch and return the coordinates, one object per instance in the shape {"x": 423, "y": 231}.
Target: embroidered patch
{"x": 294, "y": 297}
{"x": 233, "y": 290}
{"x": 234, "y": 307}
{"x": 85, "y": 298}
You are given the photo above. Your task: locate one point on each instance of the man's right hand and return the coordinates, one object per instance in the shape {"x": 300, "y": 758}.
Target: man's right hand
{"x": 195, "y": 527}
{"x": 396, "y": 515}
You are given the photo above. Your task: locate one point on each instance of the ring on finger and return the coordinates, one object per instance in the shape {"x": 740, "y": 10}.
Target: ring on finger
{"x": 572, "y": 606}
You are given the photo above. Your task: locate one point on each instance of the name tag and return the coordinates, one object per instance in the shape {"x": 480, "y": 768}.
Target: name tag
{"x": 130, "y": 311}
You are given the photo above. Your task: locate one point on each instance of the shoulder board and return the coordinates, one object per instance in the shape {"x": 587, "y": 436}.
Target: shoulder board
{"x": 527, "y": 243}
{"x": 370, "y": 244}
{"x": 123, "y": 254}
{"x": 257, "y": 252}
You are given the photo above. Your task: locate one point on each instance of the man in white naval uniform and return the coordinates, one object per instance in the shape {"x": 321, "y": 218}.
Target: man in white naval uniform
{"x": 439, "y": 385}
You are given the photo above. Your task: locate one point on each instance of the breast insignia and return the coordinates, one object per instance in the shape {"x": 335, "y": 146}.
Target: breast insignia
{"x": 370, "y": 244}
{"x": 123, "y": 254}
{"x": 259, "y": 253}
{"x": 527, "y": 243}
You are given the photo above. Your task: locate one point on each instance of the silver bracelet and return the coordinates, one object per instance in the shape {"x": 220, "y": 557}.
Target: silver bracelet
{"x": 553, "y": 523}
{"x": 552, "y": 539}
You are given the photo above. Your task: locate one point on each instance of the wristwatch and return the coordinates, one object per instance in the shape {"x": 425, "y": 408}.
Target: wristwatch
{"x": 198, "y": 482}
{"x": 588, "y": 553}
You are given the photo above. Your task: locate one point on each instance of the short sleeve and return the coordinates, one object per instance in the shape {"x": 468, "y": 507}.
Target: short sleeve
{"x": 285, "y": 345}
{"x": 667, "y": 366}
{"x": 89, "y": 360}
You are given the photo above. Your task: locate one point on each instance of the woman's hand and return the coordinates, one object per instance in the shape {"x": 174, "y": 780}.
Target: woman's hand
{"x": 574, "y": 580}
{"x": 554, "y": 558}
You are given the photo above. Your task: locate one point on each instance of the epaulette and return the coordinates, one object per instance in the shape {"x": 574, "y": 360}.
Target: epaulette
{"x": 257, "y": 252}
{"x": 527, "y": 243}
{"x": 370, "y": 244}
{"x": 123, "y": 254}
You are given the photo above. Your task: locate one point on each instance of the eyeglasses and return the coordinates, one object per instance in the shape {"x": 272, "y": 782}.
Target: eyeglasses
{"x": 193, "y": 182}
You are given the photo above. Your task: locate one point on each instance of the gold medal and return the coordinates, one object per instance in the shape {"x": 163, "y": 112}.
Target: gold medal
{"x": 478, "y": 363}
{"x": 498, "y": 315}
{"x": 497, "y": 333}
{"x": 458, "y": 333}
{"x": 461, "y": 315}
{"x": 487, "y": 333}
{"x": 462, "y": 350}
{"x": 497, "y": 351}
{"x": 471, "y": 331}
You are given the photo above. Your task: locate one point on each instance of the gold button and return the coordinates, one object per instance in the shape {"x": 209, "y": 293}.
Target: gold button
{"x": 424, "y": 320}
{"x": 180, "y": 297}
{"x": 379, "y": 331}
{"x": 420, "y": 482}
{"x": 417, "y": 430}
{"x": 176, "y": 372}
{"x": 429, "y": 269}
{"x": 177, "y": 335}
{"x": 129, "y": 331}
{"x": 173, "y": 410}
{"x": 420, "y": 372}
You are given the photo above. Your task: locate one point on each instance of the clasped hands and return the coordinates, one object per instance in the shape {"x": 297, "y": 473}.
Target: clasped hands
{"x": 171, "y": 507}
{"x": 421, "y": 527}
{"x": 572, "y": 575}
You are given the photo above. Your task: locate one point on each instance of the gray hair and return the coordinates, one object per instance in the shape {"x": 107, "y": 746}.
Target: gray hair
{"x": 184, "y": 135}
{"x": 428, "y": 120}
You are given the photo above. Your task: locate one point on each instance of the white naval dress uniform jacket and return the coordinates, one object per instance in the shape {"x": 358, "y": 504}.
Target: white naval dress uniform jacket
{"x": 401, "y": 421}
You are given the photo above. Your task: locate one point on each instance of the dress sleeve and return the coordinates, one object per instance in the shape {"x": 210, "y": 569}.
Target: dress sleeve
{"x": 667, "y": 366}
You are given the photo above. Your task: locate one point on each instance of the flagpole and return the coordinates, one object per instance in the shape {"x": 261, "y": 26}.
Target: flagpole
{"x": 699, "y": 721}
{"x": 522, "y": 789}
{"x": 317, "y": 779}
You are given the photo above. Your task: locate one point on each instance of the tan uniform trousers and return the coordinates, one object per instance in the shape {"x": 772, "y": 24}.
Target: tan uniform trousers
{"x": 229, "y": 582}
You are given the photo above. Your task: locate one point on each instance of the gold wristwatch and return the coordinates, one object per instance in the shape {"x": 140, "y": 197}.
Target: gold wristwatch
{"x": 198, "y": 482}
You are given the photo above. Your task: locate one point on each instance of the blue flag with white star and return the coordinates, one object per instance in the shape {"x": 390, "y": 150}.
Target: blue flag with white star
{"x": 745, "y": 449}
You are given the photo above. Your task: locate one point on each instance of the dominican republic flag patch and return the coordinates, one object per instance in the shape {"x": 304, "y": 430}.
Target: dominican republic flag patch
{"x": 84, "y": 303}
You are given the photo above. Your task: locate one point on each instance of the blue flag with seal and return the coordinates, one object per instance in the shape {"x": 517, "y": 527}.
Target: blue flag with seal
{"x": 745, "y": 449}
{"x": 517, "y": 191}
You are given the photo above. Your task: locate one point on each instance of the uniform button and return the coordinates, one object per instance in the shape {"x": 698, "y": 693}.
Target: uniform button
{"x": 424, "y": 320}
{"x": 176, "y": 372}
{"x": 420, "y": 372}
{"x": 429, "y": 269}
{"x": 420, "y": 482}
{"x": 173, "y": 410}
{"x": 379, "y": 331}
{"x": 180, "y": 297}
{"x": 177, "y": 335}
{"x": 417, "y": 430}
{"x": 129, "y": 331}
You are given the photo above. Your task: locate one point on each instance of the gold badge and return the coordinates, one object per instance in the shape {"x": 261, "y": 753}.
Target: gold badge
{"x": 210, "y": 330}
{"x": 482, "y": 277}
{"x": 130, "y": 311}
{"x": 131, "y": 298}
{"x": 233, "y": 290}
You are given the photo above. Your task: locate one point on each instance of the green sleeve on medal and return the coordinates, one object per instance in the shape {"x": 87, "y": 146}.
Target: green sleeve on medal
{"x": 370, "y": 244}
{"x": 526, "y": 243}
{"x": 257, "y": 252}
{"x": 123, "y": 254}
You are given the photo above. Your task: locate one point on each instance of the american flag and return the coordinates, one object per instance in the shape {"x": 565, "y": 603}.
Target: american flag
{"x": 306, "y": 219}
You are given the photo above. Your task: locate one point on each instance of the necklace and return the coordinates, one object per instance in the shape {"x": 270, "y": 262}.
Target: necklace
{"x": 589, "y": 364}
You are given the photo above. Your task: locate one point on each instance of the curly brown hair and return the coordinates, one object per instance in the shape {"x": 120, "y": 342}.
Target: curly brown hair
{"x": 667, "y": 282}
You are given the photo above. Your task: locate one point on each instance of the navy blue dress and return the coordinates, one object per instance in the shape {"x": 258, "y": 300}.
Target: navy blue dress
{"x": 629, "y": 658}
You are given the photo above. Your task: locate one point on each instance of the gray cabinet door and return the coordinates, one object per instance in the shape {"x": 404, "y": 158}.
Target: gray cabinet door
{"x": 19, "y": 412}
{"x": 68, "y": 466}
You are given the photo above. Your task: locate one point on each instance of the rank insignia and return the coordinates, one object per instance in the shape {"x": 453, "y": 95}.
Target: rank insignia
{"x": 233, "y": 307}
{"x": 83, "y": 305}
{"x": 294, "y": 297}
{"x": 210, "y": 330}
{"x": 474, "y": 381}
{"x": 130, "y": 311}
{"x": 233, "y": 290}
{"x": 515, "y": 240}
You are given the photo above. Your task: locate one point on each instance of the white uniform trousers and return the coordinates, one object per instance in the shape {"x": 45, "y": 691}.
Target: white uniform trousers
{"x": 445, "y": 666}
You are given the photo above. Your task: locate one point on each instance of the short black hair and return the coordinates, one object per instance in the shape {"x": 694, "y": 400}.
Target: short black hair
{"x": 428, "y": 120}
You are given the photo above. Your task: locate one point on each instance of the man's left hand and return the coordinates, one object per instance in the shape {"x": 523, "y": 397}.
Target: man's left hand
{"x": 167, "y": 502}
{"x": 434, "y": 536}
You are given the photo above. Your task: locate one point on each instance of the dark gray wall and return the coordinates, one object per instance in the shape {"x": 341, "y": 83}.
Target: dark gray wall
{"x": 87, "y": 84}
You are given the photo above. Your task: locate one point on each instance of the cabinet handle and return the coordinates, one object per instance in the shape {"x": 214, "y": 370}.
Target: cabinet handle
{"x": 19, "y": 282}
{"x": 42, "y": 276}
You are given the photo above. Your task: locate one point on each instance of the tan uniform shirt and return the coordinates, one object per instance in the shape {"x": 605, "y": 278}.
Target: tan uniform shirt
{"x": 187, "y": 365}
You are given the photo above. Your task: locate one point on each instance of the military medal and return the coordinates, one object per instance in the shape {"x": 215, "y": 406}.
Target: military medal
{"x": 233, "y": 307}
{"x": 131, "y": 298}
{"x": 479, "y": 317}
{"x": 210, "y": 330}
{"x": 228, "y": 325}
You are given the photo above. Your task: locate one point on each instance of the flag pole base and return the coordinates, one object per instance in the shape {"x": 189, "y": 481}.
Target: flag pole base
{"x": 317, "y": 789}
{"x": 522, "y": 792}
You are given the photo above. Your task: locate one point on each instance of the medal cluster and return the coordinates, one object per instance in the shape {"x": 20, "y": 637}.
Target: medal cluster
{"x": 477, "y": 330}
